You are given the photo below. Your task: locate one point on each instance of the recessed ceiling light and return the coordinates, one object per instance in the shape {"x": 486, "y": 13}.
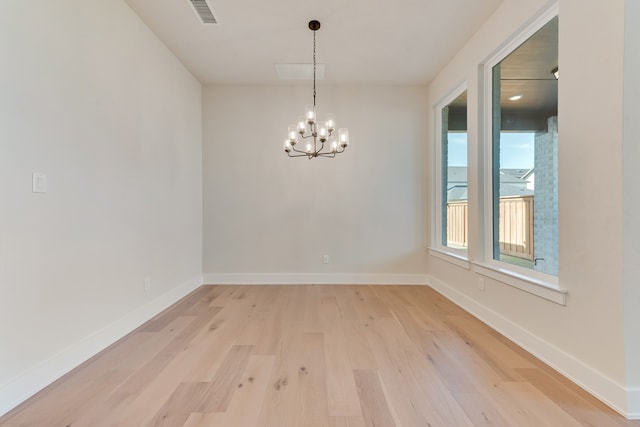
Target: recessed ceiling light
{"x": 515, "y": 97}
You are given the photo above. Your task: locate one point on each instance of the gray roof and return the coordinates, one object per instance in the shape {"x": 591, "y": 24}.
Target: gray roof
{"x": 516, "y": 173}
{"x": 511, "y": 183}
{"x": 458, "y": 174}
{"x": 508, "y": 190}
{"x": 457, "y": 193}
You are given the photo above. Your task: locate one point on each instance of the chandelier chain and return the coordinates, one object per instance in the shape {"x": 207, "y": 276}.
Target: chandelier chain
{"x": 314, "y": 68}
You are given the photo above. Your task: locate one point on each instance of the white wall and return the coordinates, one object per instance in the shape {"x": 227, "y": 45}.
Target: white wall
{"x": 90, "y": 97}
{"x": 631, "y": 197}
{"x": 585, "y": 338}
{"x": 270, "y": 218}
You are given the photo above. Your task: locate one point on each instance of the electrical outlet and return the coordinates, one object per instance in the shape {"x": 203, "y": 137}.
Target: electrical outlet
{"x": 146, "y": 283}
{"x": 481, "y": 283}
{"x": 39, "y": 182}
{"x": 325, "y": 259}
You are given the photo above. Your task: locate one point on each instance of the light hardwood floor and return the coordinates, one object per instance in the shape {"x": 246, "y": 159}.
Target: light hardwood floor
{"x": 337, "y": 356}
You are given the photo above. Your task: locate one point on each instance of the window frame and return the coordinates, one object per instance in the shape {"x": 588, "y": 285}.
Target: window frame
{"x": 456, "y": 256}
{"x": 527, "y": 279}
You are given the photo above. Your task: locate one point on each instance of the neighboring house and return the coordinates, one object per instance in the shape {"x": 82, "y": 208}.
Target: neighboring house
{"x": 513, "y": 182}
{"x": 515, "y": 173}
{"x": 530, "y": 177}
{"x": 456, "y": 183}
{"x": 522, "y": 175}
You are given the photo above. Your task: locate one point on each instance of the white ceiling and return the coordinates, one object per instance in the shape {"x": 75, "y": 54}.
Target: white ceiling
{"x": 361, "y": 41}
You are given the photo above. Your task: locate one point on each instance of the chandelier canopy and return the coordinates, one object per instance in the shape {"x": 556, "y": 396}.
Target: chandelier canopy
{"x": 320, "y": 136}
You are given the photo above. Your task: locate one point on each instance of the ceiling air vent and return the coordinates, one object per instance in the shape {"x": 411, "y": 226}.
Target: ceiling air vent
{"x": 203, "y": 10}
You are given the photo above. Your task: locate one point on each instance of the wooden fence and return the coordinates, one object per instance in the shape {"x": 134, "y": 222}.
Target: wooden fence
{"x": 516, "y": 225}
{"x": 457, "y": 224}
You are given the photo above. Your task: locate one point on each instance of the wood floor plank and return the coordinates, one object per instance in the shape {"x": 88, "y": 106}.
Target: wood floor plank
{"x": 436, "y": 392}
{"x": 405, "y": 394}
{"x": 207, "y": 351}
{"x": 139, "y": 348}
{"x": 71, "y": 403}
{"x": 500, "y": 358}
{"x": 278, "y": 408}
{"x": 211, "y": 419}
{"x": 302, "y": 356}
{"x": 346, "y": 422}
{"x": 312, "y": 317}
{"x": 341, "y": 387}
{"x": 138, "y": 352}
{"x": 261, "y": 322}
{"x": 481, "y": 410}
{"x": 312, "y": 406}
{"x": 180, "y": 308}
{"x": 464, "y": 355}
{"x": 226, "y": 380}
{"x": 280, "y": 402}
{"x": 369, "y": 305}
{"x": 246, "y": 403}
{"x": 375, "y": 407}
{"x": 138, "y": 400}
{"x": 544, "y": 410}
{"x": 577, "y": 403}
{"x": 357, "y": 347}
{"x": 181, "y": 403}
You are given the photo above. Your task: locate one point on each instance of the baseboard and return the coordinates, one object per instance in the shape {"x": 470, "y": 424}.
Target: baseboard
{"x": 26, "y": 384}
{"x": 633, "y": 403}
{"x": 314, "y": 279}
{"x": 601, "y": 386}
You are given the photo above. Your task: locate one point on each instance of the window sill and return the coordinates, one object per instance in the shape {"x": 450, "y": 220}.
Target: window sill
{"x": 451, "y": 258}
{"x": 540, "y": 288}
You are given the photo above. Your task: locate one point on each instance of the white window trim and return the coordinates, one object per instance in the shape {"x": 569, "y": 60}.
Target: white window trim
{"x": 455, "y": 256}
{"x": 451, "y": 258}
{"x": 519, "y": 277}
{"x": 524, "y": 282}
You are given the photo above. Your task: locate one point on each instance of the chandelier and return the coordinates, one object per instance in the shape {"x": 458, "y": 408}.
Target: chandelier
{"x": 320, "y": 137}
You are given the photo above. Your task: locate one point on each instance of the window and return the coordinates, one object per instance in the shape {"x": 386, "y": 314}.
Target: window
{"x": 451, "y": 152}
{"x": 524, "y": 154}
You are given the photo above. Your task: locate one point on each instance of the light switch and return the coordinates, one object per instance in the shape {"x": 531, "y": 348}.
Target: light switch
{"x": 39, "y": 182}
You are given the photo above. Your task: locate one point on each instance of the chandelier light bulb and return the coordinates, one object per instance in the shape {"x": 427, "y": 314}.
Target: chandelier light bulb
{"x": 292, "y": 134}
{"x": 311, "y": 114}
{"x": 323, "y": 133}
{"x": 343, "y": 135}
{"x": 331, "y": 124}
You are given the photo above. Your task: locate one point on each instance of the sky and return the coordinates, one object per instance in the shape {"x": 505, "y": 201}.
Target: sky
{"x": 516, "y": 150}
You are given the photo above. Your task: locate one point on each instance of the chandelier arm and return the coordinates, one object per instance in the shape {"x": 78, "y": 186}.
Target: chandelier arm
{"x": 298, "y": 151}
{"x": 302, "y": 153}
